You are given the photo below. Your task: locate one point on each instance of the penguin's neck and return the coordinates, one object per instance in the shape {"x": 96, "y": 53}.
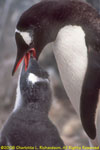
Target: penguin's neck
{"x": 69, "y": 13}
{"x": 26, "y": 103}
{"x": 23, "y": 104}
{"x": 71, "y": 55}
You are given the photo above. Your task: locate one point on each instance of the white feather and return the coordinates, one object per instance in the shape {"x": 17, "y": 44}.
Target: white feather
{"x": 26, "y": 36}
{"x": 71, "y": 55}
{"x": 18, "y": 101}
{"x": 33, "y": 78}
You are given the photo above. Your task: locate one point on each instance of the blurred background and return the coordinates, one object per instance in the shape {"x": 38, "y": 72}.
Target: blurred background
{"x": 61, "y": 113}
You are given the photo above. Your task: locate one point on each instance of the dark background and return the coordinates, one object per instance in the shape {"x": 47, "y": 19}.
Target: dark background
{"x": 61, "y": 113}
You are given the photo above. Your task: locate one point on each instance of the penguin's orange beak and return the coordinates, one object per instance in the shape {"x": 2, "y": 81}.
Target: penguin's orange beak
{"x": 26, "y": 58}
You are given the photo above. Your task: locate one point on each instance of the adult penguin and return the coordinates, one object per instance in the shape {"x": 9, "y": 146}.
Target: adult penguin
{"x": 73, "y": 29}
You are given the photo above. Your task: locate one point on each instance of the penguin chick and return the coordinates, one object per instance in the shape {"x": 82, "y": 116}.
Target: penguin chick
{"x": 28, "y": 124}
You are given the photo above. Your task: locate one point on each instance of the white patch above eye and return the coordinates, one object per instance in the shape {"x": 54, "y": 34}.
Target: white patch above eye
{"x": 34, "y": 79}
{"x": 26, "y": 36}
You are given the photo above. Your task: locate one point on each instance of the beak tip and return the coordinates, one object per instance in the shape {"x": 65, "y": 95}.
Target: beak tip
{"x": 17, "y": 63}
{"x": 13, "y": 72}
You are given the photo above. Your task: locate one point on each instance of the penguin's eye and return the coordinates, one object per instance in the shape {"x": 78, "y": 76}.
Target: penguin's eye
{"x": 26, "y": 35}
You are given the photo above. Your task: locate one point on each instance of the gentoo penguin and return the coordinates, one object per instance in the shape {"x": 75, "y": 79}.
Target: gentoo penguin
{"x": 73, "y": 29}
{"x": 28, "y": 124}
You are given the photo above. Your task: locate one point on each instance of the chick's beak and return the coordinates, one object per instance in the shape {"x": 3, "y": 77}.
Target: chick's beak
{"x": 26, "y": 58}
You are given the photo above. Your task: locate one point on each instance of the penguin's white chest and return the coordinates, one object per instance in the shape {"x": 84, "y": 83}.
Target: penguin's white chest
{"x": 71, "y": 55}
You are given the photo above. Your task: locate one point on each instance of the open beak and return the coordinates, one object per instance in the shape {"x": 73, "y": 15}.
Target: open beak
{"x": 26, "y": 58}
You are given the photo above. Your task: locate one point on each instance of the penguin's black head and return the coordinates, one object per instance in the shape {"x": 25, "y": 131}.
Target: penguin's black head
{"x": 34, "y": 31}
{"x": 25, "y": 43}
{"x": 30, "y": 34}
{"x": 35, "y": 86}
